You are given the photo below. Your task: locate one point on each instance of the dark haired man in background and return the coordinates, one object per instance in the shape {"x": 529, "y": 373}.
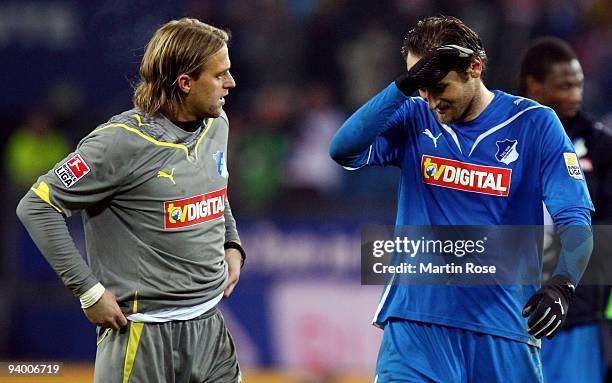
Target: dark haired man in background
{"x": 469, "y": 333}
{"x": 551, "y": 74}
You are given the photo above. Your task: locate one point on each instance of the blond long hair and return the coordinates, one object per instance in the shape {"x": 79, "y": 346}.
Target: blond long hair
{"x": 178, "y": 47}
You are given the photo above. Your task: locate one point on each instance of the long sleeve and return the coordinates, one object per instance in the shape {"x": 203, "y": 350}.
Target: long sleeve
{"x": 574, "y": 226}
{"x": 351, "y": 146}
{"x": 231, "y": 231}
{"x": 48, "y": 229}
{"x": 566, "y": 197}
{"x": 88, "y": 175}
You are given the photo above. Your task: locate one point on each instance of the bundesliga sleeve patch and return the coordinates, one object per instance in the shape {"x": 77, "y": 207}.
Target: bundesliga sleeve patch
{"x": 573, "y": 168}
{"x": 72, "y": 170}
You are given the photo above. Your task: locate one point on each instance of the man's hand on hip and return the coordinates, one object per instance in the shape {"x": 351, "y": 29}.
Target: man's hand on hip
{"x": 106, "y": 312}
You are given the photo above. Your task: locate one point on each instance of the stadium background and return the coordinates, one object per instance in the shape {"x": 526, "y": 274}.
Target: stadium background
{"x": 299, "y": 313}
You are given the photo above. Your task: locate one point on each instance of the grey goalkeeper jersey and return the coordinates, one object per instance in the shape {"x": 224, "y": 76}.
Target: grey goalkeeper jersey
{"x": 155, "y": 211}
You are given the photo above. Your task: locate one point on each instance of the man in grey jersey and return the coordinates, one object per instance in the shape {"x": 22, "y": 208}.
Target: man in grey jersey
{"x": 162, "y": 244}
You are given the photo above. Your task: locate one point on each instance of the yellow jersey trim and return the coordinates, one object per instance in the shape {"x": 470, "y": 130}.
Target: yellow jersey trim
{"x": 132, "y": 348}
{"x": 208, "y": 125}
{"x": 135, "y": 306}
{"x": 137, "y": 117}
{"x": 150, "y": 139}
{"x": 160, "y": 143}
{"x": 42, "y": 190}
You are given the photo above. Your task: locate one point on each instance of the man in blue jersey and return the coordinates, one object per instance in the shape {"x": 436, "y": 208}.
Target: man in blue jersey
{"x": 513, "y": 154}
{"x": 551, "y": 74}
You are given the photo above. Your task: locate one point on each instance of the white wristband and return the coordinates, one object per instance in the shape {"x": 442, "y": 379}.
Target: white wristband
{"x": 91, "y": 296}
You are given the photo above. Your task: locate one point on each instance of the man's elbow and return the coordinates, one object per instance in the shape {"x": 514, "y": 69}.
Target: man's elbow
{"x": 22, "y": 211}
{"x": 30, "y": 206}
{"x": 337, "y": 152}
{"x": 334, "y": 153}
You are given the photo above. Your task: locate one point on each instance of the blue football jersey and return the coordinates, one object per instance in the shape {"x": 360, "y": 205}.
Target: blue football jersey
{"x": 494, "y": 170}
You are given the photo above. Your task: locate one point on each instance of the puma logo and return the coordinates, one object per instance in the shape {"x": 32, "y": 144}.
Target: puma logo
{"x": 170, "y": 176}
{"x": 429, "y": 134}
{"x": 560, "y": 304}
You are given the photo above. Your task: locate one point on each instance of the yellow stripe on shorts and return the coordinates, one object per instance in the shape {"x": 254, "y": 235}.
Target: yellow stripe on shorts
{"x": 133, "y": 342}
{"x": 132, "y": 348}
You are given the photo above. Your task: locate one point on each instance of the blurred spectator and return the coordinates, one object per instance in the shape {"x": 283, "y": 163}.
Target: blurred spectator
{"x": 362, "y": 59}
{"x": 324, "y": 33}
{"x": 552, "y": 75}
{"x": 308, "y": 171}
{"x": 33, "y": 148}
{"x": 266, "y": 40}
{"x": 259, "y": 151}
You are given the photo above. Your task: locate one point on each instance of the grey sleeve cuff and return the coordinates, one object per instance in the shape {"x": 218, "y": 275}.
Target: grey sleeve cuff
{"x": 48, "y": 230}
{"x": 231, "y": 232}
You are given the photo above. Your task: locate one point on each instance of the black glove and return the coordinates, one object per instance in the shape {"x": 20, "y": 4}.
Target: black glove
{"x": 433, "y": 67}
{"x": 548, "y": 307}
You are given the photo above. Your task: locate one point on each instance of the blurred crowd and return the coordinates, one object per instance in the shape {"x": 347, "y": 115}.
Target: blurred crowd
{"x": 301, "y": 66}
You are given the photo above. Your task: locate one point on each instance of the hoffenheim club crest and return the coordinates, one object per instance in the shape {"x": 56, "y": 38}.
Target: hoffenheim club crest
{"x": 506, "y": 151}
{"x": 221, "y": 166}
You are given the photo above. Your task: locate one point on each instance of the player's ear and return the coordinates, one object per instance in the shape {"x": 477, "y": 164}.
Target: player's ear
{"x": 476, "y": 68}
{"x": 184, "y": 83}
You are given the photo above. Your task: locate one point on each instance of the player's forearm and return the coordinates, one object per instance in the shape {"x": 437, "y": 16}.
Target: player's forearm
{"x": 231, "y": 230}
{"x": 574, "y": 226}
{"x": 49, "y": 232}
{"x": 361, "y": 129}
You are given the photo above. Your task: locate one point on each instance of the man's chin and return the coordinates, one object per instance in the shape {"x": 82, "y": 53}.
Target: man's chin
{"x": 568, "y": 115}
{"x": 214, "y": 113}
{"x": 444, "y": 118}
